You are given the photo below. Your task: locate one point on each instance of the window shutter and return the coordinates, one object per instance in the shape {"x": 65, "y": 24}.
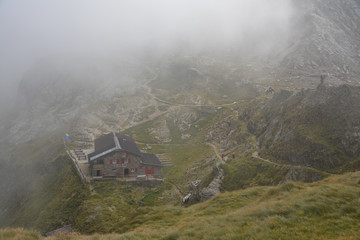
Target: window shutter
{"x": 117, "y": 161}
{"x": 122, "y": 161}
{"x": 127, "y": 154}
{"x": 135, "y": 169}
{"x": 110, "y": 161}
{"x": 129, "y": 160}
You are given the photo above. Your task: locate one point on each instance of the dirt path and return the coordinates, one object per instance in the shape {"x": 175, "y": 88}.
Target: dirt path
{"x": 256, "y": 155}
{"x": 215, "y": 150}
{"x": 197, "y": 105}
{"x": 152, "y": 103}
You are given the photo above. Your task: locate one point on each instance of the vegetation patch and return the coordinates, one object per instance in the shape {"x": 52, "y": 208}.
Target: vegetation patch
{"x": 323, "y": 210}
{"x": 246, "y": 171}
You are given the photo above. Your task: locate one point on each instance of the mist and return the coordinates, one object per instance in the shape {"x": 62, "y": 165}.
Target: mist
{"x": 32, "y": 30}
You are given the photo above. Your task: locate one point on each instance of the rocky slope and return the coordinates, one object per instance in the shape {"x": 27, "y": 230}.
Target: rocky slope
{"x": 324, "y": 40}
{"x": 183, "y": 101}
{"x": 57, "y": 94}
{"x": 317, "y": 128}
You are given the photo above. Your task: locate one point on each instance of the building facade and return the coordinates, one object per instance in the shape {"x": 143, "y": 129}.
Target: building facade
{"x": 117, "y": 156}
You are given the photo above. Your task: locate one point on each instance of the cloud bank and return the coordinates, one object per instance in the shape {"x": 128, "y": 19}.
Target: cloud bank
{"x": 33, "y": 29}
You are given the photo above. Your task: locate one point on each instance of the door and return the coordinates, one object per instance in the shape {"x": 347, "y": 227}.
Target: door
{"x": 98, "y": 173}
{"x": 126, "y": 172}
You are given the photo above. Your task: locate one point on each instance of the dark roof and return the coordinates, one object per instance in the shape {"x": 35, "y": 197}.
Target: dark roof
{"x": 108, "y": 143}
{"x": 128, "y": 144}
{"x": 150, "y": 159}
{"x": 104, "y": 142}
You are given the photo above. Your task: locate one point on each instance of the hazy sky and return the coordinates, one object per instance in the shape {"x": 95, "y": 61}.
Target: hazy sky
{"x": 31, "y": 29}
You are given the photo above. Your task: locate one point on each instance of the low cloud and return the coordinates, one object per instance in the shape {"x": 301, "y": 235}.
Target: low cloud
{"x": 33, "y": 29}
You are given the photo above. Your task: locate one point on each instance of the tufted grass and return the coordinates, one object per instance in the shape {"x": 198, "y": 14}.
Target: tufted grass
{"x": 323, "y": 210}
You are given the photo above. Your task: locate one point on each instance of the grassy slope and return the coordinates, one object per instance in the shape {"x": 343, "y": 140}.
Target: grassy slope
{"x": 317, "y": 128}
{"x": 247, "y": 171}
{"x": 59, "y": 198}
{"x": 47, "y": 192}
{"x": 323, "y": 210}
{"x": 184, "y": 154}
{"x": 116, "y": 207}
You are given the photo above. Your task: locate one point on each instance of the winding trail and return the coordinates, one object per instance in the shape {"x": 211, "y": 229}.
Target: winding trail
{"x": 256, "y": 155}
{"x": 215, "y": 149}
{"x": 154, "y": 102}
{"x": 198, "y": 105}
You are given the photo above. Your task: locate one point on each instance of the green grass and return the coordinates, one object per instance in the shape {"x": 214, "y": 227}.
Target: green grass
{"x": 141, "y": 132}
{"x": 19, "y": 234}
{"x": 46, "y": 191}
{"x": 188, "y": 156}
{"x": 204, "y": 115}
{"x": 246, "y": 171}
{"x": 323, "y": 210}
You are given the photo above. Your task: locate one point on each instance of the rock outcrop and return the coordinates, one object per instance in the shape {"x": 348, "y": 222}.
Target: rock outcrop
{"x": 317, "y": 128}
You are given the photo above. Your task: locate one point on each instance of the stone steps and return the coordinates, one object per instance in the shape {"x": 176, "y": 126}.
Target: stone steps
{"x": 165, "y": 161}
{"x": 79, "y": 154}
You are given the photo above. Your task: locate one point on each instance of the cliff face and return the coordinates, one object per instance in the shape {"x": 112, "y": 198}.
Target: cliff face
{"x": 318, "y": 128}
{"x": 324, "y": 38}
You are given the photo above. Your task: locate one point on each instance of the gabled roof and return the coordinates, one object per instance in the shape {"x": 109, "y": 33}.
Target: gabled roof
{"x": 112, "y": 142}
{"x": 150, "y": 159}
{"x": 128, "y": 144}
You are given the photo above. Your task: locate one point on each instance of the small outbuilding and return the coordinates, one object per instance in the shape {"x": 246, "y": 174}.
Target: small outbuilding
{"x": 269, "y": 90}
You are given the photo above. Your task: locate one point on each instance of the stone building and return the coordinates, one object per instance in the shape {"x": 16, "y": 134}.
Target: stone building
{"x": 117, "y": 156}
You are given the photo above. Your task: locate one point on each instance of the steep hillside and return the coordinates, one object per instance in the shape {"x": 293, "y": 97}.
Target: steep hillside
{"x": 317, "y": 128}
{"x": 193, "y": 107}
{"x": 57, "y": 94}
{"x": 40, "y": 188}
{"x": 325, "y": 40}
{"x": 324, "y": 210}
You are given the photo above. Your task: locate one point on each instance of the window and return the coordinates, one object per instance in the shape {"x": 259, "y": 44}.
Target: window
{"x": 132, "y": 169}
{"x": 149, "y": 171}
{"x": 117, "y": 161}
{"x": 123, "y": 161}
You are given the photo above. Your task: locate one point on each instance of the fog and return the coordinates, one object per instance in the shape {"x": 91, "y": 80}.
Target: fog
{"x": 33, "y": 29}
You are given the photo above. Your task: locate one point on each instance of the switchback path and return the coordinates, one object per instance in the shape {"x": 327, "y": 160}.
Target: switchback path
{"x": 256, "y": 155}
{"x": 198, "y": 105}
{"x": 154, "y": 101}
